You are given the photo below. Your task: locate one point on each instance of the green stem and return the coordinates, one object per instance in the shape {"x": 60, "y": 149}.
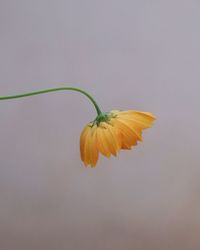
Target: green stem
{"x": 52, "y": 90}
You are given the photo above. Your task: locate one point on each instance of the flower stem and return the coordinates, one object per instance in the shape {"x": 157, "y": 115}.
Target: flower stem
{"x": 53, "y": 90}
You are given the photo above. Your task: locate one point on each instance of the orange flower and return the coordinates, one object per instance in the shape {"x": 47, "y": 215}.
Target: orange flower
{"x": 109, "y": 132}
{"x": 113, "y": 131}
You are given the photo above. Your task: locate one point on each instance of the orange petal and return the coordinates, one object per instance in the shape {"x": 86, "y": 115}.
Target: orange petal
{"x": 137, "y": 131}
{"x": 94, "y": 153}
{"x": 125, "y": 146}
{"x": 87, "y": 160}
{"x": 115, "y": 134}
{"x": 110, "y": 138}
{"x": 83, "y": 139}
{"x": 143, "y": 119}
{"x": 101, "y": 142}
{"x": 128, "y": 136}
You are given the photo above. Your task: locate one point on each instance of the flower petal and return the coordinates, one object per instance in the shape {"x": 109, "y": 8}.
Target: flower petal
{"x": 94, "y": 153}
{"x": 87, "y": 160}
{"x": 133, "y": 126}
{"x": 111, "y": 138}
{"x": 128, "y": 136}
{"x": 83, "y": 139}
{"x": 143, "y": 119}
{"x": 101, "y": 141}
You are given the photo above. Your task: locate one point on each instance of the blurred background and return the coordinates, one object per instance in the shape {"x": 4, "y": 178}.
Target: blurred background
{"x": 142, "y": 55}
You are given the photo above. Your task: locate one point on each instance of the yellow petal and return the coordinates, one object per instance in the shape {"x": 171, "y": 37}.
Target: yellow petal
{"x": 143, "y": 119}
{"x": 128, "y": 136}
{"x": 110, "y": 138}
{"x": 115, "y": 134}
{"x": 133, "y": 126}
{"x": 83, "y": 139}
{"x": 101, "y": 142}
{"x": 94, "y": 153}
{"x": 87, "y": 152}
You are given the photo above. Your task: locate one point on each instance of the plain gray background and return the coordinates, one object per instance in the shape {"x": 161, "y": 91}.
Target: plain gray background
{"x": 141, "y": 55}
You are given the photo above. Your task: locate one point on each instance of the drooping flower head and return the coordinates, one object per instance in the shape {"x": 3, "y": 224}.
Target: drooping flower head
{"x": 111, "y": 132}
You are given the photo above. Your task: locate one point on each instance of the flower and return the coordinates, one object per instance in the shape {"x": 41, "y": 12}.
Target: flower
{"x": 112, "y": 131}
{"x": 109, "y": 132}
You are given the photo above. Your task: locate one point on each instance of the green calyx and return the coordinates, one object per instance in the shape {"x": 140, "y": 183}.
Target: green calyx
{"x": 102, "y": 117}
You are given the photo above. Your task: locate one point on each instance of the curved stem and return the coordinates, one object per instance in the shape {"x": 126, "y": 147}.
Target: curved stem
{"x": 53, "y": 90}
